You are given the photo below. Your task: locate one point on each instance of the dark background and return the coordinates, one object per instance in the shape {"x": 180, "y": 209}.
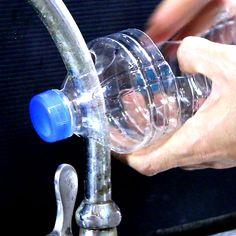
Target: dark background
{"x": 29, "y": 64}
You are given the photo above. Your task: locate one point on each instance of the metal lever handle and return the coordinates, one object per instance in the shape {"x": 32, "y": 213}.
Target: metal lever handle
{"x": 66, "y": 187}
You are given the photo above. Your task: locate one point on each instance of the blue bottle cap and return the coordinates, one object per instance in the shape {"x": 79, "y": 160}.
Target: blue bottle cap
{"x": 50, "y": 116}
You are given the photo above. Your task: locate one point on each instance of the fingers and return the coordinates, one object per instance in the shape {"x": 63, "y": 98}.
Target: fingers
{"x": 171, "y": 16}
{"x": 206, "y": 165}
{"x": 197, "y": 144}
{"x": 188, "y": 146}
{"x": 208, "y": 138}
{"x": 195, "y": 167}
{"x": 214, "y": 60}
{"x": 210, "y": 165}
{"x": 204, "y": 19}
{"x": 144, "y": 161}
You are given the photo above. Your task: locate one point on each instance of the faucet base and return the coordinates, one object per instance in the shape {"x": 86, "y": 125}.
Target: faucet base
{"x": 98, "y": 216}
{"x": 105, "y": 232}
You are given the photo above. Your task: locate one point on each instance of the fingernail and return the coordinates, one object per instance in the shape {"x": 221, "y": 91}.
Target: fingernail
{"x": 185, "y": 51}
{"x": 189, "y": 44}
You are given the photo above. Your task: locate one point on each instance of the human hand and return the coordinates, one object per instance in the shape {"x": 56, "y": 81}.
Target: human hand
{"x": 208, "y": 139}
{"x": 183, "y": 18}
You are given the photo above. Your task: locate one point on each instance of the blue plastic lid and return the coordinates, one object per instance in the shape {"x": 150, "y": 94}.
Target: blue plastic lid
{"x": 50, "y": 116}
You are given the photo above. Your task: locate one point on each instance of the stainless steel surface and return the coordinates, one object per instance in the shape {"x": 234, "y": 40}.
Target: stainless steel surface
{"x": 107, "y": 232}
{"x": 66, "y": 187}
{"x": 67, "y": 37}
{"x": 99, "y": 216}
{"x": 79, "y": 64}
{"x": 98, "y": 211}
{"x": 226, "y": 233}
{"x": 98, "y": 179}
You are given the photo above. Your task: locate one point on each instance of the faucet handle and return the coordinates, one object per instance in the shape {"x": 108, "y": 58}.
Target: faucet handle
{"x": 66, "y": 187}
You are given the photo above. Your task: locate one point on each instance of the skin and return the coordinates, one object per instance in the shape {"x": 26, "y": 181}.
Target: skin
{"x": 179, "y": 19}
{"x": 208, "y": 139}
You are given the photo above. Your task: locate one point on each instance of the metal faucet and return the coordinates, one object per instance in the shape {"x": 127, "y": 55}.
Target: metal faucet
{"x": 97, "y": 215}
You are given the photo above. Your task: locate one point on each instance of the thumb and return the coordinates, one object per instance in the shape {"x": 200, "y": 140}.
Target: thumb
{"x": 214, "y": 60}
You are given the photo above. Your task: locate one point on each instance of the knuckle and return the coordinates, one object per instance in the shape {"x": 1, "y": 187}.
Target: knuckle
{"x": 147, "y": 169}
{"x": 199, "y": 156}
{"x": 152, "y": 167}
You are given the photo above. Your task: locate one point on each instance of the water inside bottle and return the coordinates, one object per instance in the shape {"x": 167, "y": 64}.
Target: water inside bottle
{"x": 146, "y": 94}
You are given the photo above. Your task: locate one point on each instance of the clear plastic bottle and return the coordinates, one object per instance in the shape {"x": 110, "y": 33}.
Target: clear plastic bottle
{"x": 146, "y": 95}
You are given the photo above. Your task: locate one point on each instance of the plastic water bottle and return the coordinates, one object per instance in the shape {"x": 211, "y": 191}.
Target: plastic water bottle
{"x": 146, "y": 95}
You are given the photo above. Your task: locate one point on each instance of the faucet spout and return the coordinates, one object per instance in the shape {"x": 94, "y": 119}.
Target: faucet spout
{"x": 97, "y": 211}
